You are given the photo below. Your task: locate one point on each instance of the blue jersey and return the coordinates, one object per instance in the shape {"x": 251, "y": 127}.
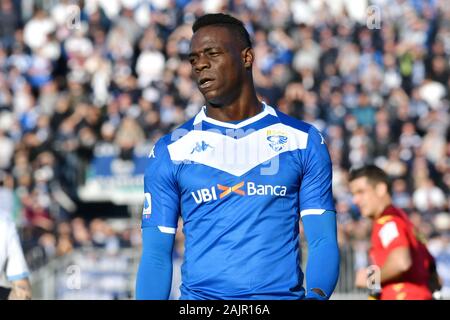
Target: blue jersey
{"x": 240, "y": 189}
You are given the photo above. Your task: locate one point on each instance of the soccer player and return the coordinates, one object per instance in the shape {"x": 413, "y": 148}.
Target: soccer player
{"x": 240, "y": 174}
{"x": 12, "y": 262}
{"x": 406, "y": 268}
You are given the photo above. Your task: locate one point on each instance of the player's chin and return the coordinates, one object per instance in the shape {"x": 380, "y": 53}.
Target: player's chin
{"x": 365, "y": 213}
{"x": 213, "y": 98}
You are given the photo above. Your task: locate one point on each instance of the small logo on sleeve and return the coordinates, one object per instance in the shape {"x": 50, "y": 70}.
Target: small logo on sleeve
{"x": 152, "y": 153}
{"x": 388, "y": 233}
{"x": 147, "y": 205}
{"x": 323, "y": 139}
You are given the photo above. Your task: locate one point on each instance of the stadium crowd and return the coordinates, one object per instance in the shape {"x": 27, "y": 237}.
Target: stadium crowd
{"x": 118, "y": 73}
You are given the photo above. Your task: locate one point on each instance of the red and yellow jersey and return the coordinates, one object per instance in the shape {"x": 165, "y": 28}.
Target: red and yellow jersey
{"x": 392, "y": 230}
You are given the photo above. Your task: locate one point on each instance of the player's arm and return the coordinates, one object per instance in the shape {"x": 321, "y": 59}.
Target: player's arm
{"x": 154, "y": 277}
{"x": 397, "y": 263}
{"x": 159, "y": 222}
{"x": 16, "y": 269}
{"x": 319, "y": 218}
{"x": 322, "y": 269}
{"x": 393, "y": 238}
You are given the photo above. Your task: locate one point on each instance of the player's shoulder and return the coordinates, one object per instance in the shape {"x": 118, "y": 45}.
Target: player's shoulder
{"x": 381, "y": 221}
{"x": 392, "y": 214}
{"x": 176, "y": 134}
{"x": 388, "y": 219}
{"x": 160, "y": 150}
{"x": 294, "y": 123}
{"x": 388, "y": 228}
{"x": 303, "y": 128}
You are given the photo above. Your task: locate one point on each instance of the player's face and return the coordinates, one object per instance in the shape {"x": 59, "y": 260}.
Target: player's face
{"x": 217, "y": 64}
{"x": 365, "y": 197}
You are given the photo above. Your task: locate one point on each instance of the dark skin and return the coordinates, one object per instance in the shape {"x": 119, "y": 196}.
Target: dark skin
{"x": 219, "y": 56}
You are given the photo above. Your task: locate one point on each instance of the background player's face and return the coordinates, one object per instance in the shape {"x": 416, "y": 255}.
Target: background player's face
{"x": 217, "y": 64}
{"x": 366, "y": 196}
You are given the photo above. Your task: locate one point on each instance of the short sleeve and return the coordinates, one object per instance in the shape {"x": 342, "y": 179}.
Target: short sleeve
{"x": 315, "y": 196}
{"x": 16, "y": 266}
{"x": 161, "y": 197}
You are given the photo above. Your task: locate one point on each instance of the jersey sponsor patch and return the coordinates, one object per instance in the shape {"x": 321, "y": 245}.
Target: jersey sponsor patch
{"x": 147, "y": 211}
{"x": 241, "y": 188}
{"x": 388, "y": 233}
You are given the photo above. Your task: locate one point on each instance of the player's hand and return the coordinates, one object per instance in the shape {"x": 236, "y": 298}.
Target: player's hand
{"x": 361, "y": 278}
{"x": 21, "y": 290}
{"x": 19, "y": 294}
{"x": 316, "y": 294}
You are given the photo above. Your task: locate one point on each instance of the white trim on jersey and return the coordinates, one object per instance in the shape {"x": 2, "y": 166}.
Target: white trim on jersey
{"x": 201, "y": 116}
{"x": 167, "y": 230}
{"x": 308, "y": 212}
{"x": 236, "y": 156}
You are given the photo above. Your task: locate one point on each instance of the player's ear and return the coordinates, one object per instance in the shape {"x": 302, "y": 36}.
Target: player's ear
{"x": 381, "y": 189}
{"x": 248, "y": 56}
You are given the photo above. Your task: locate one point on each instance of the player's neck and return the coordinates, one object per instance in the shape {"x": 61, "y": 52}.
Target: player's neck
{"x": 238, "y": 110}
{"x": 383, "y": 205}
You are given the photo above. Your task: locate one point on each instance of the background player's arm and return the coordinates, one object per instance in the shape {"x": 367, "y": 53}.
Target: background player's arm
{"x": 397, "y": 263}
{"x": 392, "y": 238}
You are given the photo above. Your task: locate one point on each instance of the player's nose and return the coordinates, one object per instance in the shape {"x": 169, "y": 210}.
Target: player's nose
{"x": 202, "y": 63}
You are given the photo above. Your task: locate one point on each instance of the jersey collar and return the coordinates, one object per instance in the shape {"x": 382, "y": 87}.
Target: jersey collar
{"x": 201, "y": 116}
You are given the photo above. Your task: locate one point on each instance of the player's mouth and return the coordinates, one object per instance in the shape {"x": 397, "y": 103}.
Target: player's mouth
{"x": 205, "y": 83}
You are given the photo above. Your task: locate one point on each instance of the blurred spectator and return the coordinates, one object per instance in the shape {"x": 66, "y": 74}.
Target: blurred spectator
{"x": 427, "y": 197}
{"x": 81, "y": 235}
{"x": 400, "y": 195}
{"x": 9, "y": 22}
{"x": 37, "y": 29}
{"x": 439, "y": 246}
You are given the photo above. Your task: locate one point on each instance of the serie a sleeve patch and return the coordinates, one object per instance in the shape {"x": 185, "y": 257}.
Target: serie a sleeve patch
{"x": 388, "y": 233}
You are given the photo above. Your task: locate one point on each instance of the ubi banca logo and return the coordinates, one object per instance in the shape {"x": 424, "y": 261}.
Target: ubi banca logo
{"x": 242, "y": 189}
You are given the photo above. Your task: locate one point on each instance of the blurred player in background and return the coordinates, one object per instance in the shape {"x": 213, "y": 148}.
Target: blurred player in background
{"x": 241, "y": 220}
{"x": 407, "y": 270}
{"x": 12, "y": 262}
